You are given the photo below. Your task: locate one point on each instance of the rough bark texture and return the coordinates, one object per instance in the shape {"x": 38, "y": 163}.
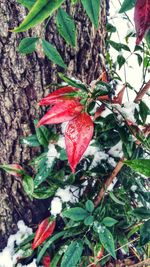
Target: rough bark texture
{"x": 22, "y": 84}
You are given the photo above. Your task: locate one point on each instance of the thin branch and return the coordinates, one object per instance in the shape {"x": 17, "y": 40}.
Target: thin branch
{"x": 109, "y": 181}
{"x": 142, "y": 92}
{"x": 142, "y": 263}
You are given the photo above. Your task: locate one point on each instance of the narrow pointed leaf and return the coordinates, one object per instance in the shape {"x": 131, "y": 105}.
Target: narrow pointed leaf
{"x": 51, "y": 52}
{"x": 78, "y": 135}
{"x": 61, "y": 112}
{"x": 107, "y": 241}
{"x": 41, "y": 10}
{"x": 127, "y": 5}
{"x": 27, "y": 3}
{"x": 58, "y": 96}
{"x": 141, "y": 18}
{"x": 72, "y": 255}
{"x": 13, "y": 169}
{"x": 27, "y": 45}
{"x": 92, "y": 9}
{"x": 45, "y": 230}
{"x": 119, "y": 97}
{"x": 66, "y": 27}
{"x": 140, "y": 165}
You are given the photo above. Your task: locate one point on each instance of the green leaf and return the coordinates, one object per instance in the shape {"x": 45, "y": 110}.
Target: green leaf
{"x": 115, "y": 199}
{"x": 144, "y": 111}
{"x": 108, "y": 221}
{"x": 30, "y": 140}
{"x": 28, "y": 185}
{"x": 92, "y": 9}
{"x": 52, "y": 54}
{"x": 121, "y": 60}
{"x": 56, "y": 258}
{"x": 141, "y": 213}
{"x": 42, "y": 134}
{"x": 75, "y": 214}
{"x": 110, "y": 28}
{"x": 88, "y": 220}
{"x": 145, "y": 233}
{"x": 27, "y": 45}
{"x": 45, "y": 170}
{"x": 139, "y": 165}
{"x": 66, "y": 27}
{"x": 45, "y": 192}
{"x": 41, "y": 10}
{"x": 118, "y": 46}
{"x": 48, "y": 244}
{"x": 89, "y": 206}
{"x": 127, "y": 5}
{"x": 107, "y": 241}
{"x": 72, "y": 82}
{"x": 27, "y": 3}
{"x": 72, "y": 255}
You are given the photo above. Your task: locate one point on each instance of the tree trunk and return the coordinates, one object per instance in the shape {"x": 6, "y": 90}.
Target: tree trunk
{"x": 22, "y": 84}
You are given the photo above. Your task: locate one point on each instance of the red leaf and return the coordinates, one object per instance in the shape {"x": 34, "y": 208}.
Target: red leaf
{"x": 78, "y": 134}
{"x": 45, "y": 229}
{"x": 104, "y": 97}
{"x": 58, "y": 96}
{"x": 62, "y": 112}
{"x": 14, "y": 169}
{"x": 46, "y": 261}
{"x": 118, "y": 99}
{"x": 141, "y": 18}
{"x": 99, "y": 111}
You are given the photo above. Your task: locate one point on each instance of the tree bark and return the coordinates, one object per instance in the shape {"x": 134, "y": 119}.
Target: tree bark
{"x": 22, "y": 84}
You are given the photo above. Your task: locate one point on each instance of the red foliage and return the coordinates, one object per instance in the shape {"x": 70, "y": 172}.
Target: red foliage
{"x": 141, "y": 18}
{"x": 77, "y": 137}
{"x": 46, "y": 261}
{"x": 62, "y": 112}
{"x": 45, "y": 229}
{"x": 58, "y": 96}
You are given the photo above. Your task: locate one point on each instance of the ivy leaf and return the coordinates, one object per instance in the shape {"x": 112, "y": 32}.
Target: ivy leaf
{"x": 144, "y": 111}
{"x": 51, "y": 52}
{"x": 72, "y": 255}
{"x": 41, "y": 10}
{"x": 139, "y": 165}
{"x": 27, "y": 45}
{"x": 92, "y": 9}
{"x": 127, "y": 5}
{"x": 141, "y": 19}
{"x": 66, "y": 27}
{"x": 107, "y": 241}
{"x": 78, "y": 135}
{"x": 45, "y": 230}
{"x": 75, "y": 214}
{"x": 27, "y": 3}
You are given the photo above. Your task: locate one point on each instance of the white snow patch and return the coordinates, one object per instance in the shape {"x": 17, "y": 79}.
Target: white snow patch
{"x": 51, "y": 154}
{"x": 61, "y": 141}
{"x": 8, "y": 257}
{"x": 116, "y": 151}
{"x": 56, "y": 206}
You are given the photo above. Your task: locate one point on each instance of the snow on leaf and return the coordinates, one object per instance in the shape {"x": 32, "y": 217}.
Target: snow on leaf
{"x": 78, "y": 135}
{"x": 141, "y": 18}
